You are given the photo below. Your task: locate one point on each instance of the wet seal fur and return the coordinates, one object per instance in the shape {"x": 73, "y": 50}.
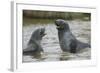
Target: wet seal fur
{"x": 33, "y": 46}
{"x": 67, "y": 40}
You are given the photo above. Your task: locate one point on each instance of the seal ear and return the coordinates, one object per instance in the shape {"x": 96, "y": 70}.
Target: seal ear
{"x": 73, "y": 46}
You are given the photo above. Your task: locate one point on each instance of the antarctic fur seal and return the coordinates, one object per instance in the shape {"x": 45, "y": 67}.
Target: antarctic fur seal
{"x": 67, "y": 40}
{"x": 33, "y": 46}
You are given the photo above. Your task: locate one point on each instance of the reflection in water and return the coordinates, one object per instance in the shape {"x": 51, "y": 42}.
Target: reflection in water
{"x": 38, "y": 56}
{"x": 65, "y": 56}
{"x": 50, "y": 42}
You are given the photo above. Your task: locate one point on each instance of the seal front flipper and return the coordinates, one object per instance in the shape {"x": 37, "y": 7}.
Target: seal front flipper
{"x": 36, "y": 45}
{"x": 73, "y": 46}
{"x": 32, "y": 48}
{"x": 29, "y": 50}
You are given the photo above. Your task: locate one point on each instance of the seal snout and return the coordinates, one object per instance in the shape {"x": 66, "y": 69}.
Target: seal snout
{"x": 42, "y": 32}
{"x": 59, "y": 23}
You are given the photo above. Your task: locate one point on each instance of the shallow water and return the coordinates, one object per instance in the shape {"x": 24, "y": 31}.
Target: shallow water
{"x": 50, "y": 42}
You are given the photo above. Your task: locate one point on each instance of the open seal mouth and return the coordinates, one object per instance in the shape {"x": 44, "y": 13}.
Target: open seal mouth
{"x": 44, "y": 34}
{"x": 60, "y": 27}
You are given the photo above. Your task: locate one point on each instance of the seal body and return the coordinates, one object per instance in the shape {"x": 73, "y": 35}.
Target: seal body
{"x": 67, "y": 40}
{"x": 34, "y": 44}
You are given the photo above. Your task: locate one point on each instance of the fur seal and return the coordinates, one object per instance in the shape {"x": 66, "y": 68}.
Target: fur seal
{"x": 33, "y": 46}
{"x": 67, "y": 40}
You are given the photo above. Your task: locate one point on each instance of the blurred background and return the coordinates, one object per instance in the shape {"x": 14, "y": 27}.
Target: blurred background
{"x": 32, "y": 16}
